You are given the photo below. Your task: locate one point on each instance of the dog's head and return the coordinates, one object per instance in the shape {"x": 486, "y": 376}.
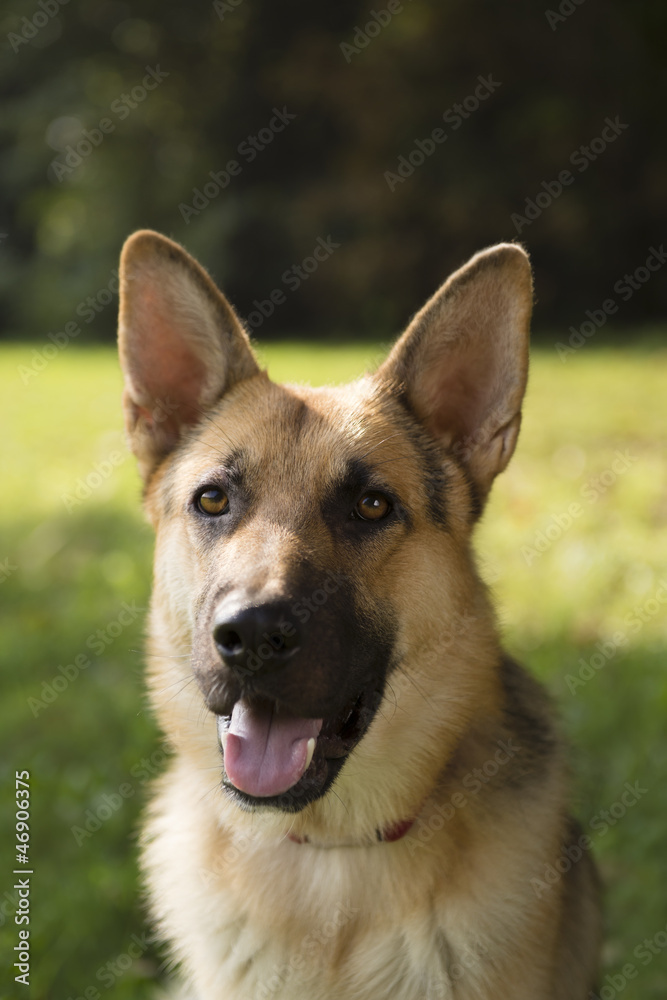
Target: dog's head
{"x": 313, "y": 569}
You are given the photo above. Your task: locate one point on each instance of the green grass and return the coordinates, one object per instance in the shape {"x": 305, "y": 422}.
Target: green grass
{"x": 71, "y": 571}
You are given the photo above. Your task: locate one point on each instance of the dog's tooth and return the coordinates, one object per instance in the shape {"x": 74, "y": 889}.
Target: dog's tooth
{"x": 310, "y": 750}
{"x": 223, "y": 722}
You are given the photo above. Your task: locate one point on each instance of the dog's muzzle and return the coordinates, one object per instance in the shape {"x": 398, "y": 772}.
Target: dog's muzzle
{"x": 293, "y": 695}
{"x": 252, "y": 641}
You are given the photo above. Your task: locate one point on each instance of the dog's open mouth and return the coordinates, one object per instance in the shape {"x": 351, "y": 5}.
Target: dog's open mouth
{"x": 277, "y": 759}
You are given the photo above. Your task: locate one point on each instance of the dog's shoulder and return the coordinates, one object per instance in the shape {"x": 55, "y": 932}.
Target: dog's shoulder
{"x": 528, "y": 720}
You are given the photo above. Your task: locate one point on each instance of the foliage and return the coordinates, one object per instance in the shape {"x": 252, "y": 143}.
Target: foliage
{"x": 364, "y": 88}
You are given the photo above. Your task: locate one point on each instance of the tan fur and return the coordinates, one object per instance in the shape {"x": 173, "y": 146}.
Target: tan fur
{"x": 451, "y": 910}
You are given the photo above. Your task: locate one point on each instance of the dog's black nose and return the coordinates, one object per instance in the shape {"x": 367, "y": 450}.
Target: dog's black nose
{"x": 256, "y": 639}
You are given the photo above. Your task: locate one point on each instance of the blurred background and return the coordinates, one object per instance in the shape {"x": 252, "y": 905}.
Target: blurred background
{"x": 359, "y": 94}
{"x": 330, "y": 165}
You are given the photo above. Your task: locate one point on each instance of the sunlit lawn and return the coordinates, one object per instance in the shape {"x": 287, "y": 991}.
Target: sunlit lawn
{"x": 579, "y": 601}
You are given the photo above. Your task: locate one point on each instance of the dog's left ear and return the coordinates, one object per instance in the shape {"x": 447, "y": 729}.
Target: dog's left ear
{"x": 181, "y": 344}
{"x": 462, "y": 364}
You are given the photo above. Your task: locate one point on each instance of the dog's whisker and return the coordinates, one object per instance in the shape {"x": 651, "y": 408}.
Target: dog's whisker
{"x": 291, "y": 827}
{"x": 216, "y": 448}
{"x": 180, "y": 690}
{"x": 205, "y": 415}
{"x": 387, "y": 461}
{"x": 397, "y": 706}
{"x": 412, "y": 681}
{"x": 334, "y": 792}
{"x": 188, "y": 679}
{"x": 211, "y": 791}
{"x": 378, "y": 444}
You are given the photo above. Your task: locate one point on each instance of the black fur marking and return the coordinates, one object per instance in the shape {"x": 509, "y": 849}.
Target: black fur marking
{"x": 476, "y": 502}
{"x": 342, "y": 495}
{"x": 337, "y": 673}
{"x": 435, "y": 480}
{"x": 527, "y": 720}
{"x": 298, "y": 417}
{"x": 232, "y": 478}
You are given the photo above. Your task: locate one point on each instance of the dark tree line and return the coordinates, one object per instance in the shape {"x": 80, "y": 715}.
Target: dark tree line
{"x": 330, "y": 163}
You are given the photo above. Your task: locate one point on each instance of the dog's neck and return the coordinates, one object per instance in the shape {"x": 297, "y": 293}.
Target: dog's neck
{"x": 386, "y": 835}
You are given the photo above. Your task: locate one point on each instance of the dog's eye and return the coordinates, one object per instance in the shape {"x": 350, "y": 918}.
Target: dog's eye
{"x": 372, "y": 507}
{"x": 212, "y": 502}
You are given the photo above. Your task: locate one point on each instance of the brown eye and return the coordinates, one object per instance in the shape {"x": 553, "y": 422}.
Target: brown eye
{"x": 372, "y": 507}
{"x": 212, "y": 502}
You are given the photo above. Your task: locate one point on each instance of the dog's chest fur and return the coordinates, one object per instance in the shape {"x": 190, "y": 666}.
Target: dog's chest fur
{"x": 271, "y": 919}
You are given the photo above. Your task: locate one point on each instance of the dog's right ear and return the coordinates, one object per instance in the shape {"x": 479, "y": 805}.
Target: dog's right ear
{"x": 181, "y": 344}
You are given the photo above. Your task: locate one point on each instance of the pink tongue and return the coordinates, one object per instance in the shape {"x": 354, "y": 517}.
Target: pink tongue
{"x": 265, "y": 753}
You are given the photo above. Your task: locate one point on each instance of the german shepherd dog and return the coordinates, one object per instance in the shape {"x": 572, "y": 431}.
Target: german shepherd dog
{"x": 365, "y": 791}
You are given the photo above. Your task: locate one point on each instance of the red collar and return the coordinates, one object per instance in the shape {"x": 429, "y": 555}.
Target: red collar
{"x": 395, "y": 831}
{"x": 387, "y": 835}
